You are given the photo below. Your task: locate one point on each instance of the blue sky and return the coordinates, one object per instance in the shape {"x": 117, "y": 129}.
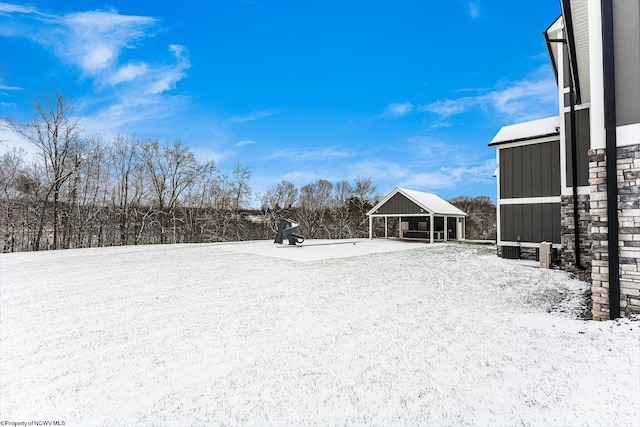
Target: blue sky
{"x": 407, "y": 93}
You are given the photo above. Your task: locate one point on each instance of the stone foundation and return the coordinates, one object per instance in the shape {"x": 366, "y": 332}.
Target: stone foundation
{"x": 628, "y": 179}
{"x": 628, "y": 165}
{"x": 529, "y": 253}
{"x": 568, "y": 237}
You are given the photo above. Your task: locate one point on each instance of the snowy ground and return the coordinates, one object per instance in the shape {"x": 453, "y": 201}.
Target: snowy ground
{"x": 372, "y": 333}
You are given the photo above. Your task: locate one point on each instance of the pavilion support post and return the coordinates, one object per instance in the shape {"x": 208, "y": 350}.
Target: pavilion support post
{"x": 370, "y": 227}
{"x": 464, "y": 228}
{"x": 446, "y": 228}
{"x": 431, "y": 221}
{"x": 386, "y": 236}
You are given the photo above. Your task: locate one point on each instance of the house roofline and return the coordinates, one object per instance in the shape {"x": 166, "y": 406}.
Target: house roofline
{"x": 528, "y": 138}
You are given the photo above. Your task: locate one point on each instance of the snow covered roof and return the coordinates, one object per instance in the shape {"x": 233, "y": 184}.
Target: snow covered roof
{"x": 527, "y": 130}
{"x": 427, "y": 201}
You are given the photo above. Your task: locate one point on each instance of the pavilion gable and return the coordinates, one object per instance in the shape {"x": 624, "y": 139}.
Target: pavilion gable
{"x": 399, "y": 204}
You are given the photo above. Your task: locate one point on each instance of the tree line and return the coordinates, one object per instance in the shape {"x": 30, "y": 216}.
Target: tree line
{"x": 82, "y": 191}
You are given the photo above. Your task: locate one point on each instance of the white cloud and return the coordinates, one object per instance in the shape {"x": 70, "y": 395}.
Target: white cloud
{"x": 398, "y": 109}
{"x": 245, "y": 142}
{"x": 389, "y": 171}
{"x": 451, "y": 177}
{"x": 301, "y": 154}
{"x": 450, "y": 107}
{"x": 129, "y": 111}
{"x": 94, "y": 40}
{"x": 515, "y": 100}
{"x": 522, "y": 100}
{"x": 128, "y": 72}
{"x": 166, "y": 77}
{"x": 10, "y": 140}
{"x": 474, "y": 10}
{"x": 14, "y": 8}
{"x": 253, "y": 116}
{"x": 126, "y": 95}
{"x": 5, "y": 87}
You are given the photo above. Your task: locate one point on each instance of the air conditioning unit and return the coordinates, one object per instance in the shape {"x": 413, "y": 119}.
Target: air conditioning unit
{"x": 545, "y": 255}
{"x": 511, "y": 252}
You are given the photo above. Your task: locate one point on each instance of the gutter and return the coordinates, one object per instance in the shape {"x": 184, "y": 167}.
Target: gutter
{"x": 528, "y": 138}
{"x": 610, "y": 119}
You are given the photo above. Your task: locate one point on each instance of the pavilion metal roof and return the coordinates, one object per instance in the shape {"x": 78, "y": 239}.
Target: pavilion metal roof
{"x": 431, "y": 203}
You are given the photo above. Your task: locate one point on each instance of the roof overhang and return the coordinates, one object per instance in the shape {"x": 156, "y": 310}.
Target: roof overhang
{"x": 572, "y": 29}
{"x": 554, "y": 32}
{"x": 535, "y": 129}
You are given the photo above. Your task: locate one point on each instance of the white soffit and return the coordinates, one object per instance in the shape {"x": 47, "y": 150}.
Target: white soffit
{"x": 554, "y": 32}
{"x": 580, "y": 16}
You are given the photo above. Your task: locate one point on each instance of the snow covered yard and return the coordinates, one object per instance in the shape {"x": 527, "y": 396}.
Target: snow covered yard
{"x": 373, "y": 333}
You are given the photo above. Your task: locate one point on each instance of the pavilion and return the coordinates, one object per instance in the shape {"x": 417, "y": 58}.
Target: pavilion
{"x": 421, "y": 215}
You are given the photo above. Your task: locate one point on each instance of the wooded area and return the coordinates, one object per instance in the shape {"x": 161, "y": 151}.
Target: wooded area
{"x": 82, "y": 191}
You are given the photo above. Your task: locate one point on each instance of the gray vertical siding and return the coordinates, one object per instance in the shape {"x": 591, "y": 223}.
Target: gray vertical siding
{"x": 399, "y": 204}
{"x": 530, "y": 170}
{"x": 532, "y": 223}
{"x": 626, "y": 45}
{"x": 583, "y": 141}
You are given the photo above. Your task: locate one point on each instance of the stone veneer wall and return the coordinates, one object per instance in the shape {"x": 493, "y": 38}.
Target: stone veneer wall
{"x": 628, "y": 179}
{"x": 568, "y": 237}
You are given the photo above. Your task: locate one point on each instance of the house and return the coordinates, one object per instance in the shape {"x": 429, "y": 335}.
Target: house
{"x": 420, "y": 215}
{"x": 573, "y": 180}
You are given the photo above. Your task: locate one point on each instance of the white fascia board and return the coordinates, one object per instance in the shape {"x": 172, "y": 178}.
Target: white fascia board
{"x": 530, "y": 200}
{"x": 577, "y": 107}
{"x": 583, "y": 190}
{"x": 422, "y": 214}
{"x": 628, "y": 135}
{"x": 596, "y": 113}
{"x": 527, "y": 142}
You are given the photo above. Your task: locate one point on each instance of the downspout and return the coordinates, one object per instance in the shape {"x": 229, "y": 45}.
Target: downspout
{"x": 608, "y": 58}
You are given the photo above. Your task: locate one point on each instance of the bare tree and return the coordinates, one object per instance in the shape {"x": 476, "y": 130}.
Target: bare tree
{"x": 11, "y": 165}
{"x": 315, "y": 201}
{"x": 342, "y": 194}
{"x": 89, "y": 195}
{"x": 198, "y": 207}
{"x": 481, "y": 223}
{"x": 277, "y": 203}
{"x": 126, "y": 167}
{"x": 172, "y": 168}
{"x": 364, "y": 198}
{"x": 241, "y": 175}
{"x": 55, "y": 132}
